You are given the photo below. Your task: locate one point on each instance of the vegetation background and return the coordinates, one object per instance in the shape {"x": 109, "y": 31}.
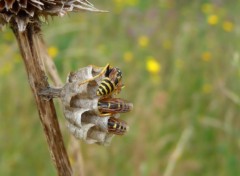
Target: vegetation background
{"x": 181, "y": 66}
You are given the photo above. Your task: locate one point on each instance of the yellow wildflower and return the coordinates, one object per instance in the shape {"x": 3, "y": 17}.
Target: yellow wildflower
{"x": 102, "y": 48}
{"x": 207, "y": 8}
{"x": 128, "y": 56}
{"x": 167, "y": 44}
{"x": 143, "y": 41}
{"x": 152, "y": 65}
{"x": 207, "y": 88}
{"x": 17, "y": 58}
{"x": 131, "y": 2}
{"x": 8, "y": 36}
{"x": 118, "y": 5}
{"x": 212, "y": 19}
{"x": 52, "y": 51}
{"x": 119, "y": 1}
{"x": 227, "y": 26}
{"x": 126, "y": 2}
{"x": 206, "y": 56}
{"x": 6, "y": 69}
{"x": 167, "y": 4}
{"x": 179, "y": 63}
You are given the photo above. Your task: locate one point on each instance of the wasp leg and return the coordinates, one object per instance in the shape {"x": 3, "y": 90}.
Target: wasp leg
{"x": 104, "y": 115}
{"x": 96, "y": 67}
{"x": 102, "y": 72}
{"x": 106, "y": 96}
{"x": 95, "y": 77}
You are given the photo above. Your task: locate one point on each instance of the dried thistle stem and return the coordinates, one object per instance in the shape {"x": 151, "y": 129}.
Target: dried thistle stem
{"x": 30, "y": 46}
{"x": 73, "y": 148}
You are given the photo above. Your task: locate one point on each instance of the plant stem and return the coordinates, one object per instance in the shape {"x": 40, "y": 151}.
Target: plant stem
{"x": 74, "y": 149}
{"x": 30, "y": 47}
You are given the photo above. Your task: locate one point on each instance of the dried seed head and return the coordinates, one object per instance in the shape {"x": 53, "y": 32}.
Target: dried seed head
{"x": 23, "y": 12}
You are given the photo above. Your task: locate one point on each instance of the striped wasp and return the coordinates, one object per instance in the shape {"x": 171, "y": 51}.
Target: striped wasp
{"x": 111, "y": 83}
{"x": 109, "y": 106}
{"x": 117, "y": 126}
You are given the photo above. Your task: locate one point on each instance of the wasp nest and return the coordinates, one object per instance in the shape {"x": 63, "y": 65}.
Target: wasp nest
{"x": 81, "y": 103}
{"x": 23, "y": 12}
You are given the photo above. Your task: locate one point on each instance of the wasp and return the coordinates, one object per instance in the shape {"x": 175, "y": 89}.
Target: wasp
{"x": 109, "y": 106}
{"x": 111, "y": 83}
{"x": 117, "y": 126}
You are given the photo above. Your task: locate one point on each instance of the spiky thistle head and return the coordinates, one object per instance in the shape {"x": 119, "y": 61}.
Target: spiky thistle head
{"x": 22, "y": 12}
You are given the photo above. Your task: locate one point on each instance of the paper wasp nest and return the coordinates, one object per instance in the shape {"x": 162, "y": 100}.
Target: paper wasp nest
{"x": 89, "y": 103}
{"x": 81, "y": 106}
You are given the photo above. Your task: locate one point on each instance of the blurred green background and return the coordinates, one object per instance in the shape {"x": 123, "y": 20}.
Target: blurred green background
{"x": 181, "y": 66}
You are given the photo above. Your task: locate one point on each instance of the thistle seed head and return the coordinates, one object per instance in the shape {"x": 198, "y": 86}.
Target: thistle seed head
{"x": 22, "y": 12}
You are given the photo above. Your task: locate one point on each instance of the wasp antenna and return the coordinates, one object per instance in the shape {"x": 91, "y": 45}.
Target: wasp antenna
{"x": 106, "y": 67}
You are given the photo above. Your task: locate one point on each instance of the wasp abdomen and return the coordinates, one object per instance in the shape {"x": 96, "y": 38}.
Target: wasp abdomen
{"x": 114, "y": 105}
{"x": 117, "y": 126}
{"x": 106, "y": 87}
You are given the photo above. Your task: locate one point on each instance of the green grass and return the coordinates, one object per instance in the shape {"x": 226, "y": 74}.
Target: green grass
{"x": 188, "y": 92}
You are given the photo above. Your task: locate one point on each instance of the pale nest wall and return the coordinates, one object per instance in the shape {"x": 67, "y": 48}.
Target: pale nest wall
{"x": 81, "y": 106}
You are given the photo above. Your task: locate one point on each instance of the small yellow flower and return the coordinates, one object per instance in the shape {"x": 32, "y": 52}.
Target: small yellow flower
{"x": 212, "y": 19}
{"x": 227, "y": 26}
{"x": 206, "y": 56}
{"x": 207, "y": 88}
{"x": 128, "y": 56}
{"x": 207, "y": 8}
{"x": 167, "y": 44}
{"x": 126, "y": 2}
{"x": 102, "y": 48}
{"x": 52, "y": 51}
{"x": 119, "y": 1}
{"x": 152, "y": 65}
{"x": 17, "y": 58}
{"x": 131, "y": 2}
{"x": 167, "y": 4}
{"x": 143, "y": 41}
{"x": 6, "y": 69}
{"x": 119, "y": 5}
{"x": 179, "y": 63}
{"x": 8, "y": 36}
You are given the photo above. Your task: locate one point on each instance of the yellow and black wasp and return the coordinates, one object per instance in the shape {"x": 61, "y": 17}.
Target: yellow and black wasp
{"x": 111, "y": 83}
{"x": 109, "y": 106}
{"x": 117, "y": 126}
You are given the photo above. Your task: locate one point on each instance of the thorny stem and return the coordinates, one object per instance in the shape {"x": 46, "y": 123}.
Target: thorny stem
{"x": 30, "y": 47}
